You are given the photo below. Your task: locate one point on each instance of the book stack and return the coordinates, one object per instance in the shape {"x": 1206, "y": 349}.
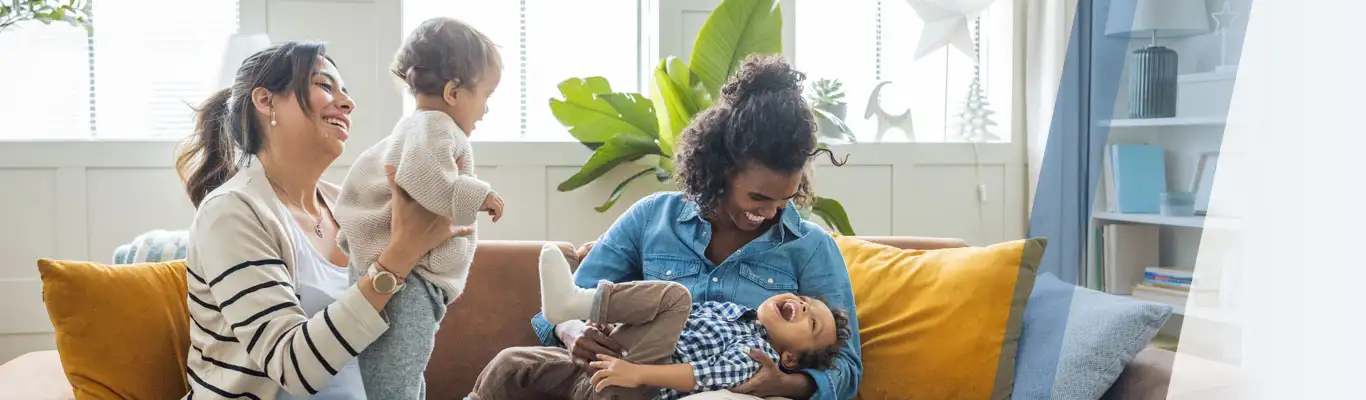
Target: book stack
{"x": 1164, "y": 285}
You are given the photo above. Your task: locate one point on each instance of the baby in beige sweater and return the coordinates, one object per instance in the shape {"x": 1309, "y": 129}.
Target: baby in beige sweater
{"x": 451, "y": 69}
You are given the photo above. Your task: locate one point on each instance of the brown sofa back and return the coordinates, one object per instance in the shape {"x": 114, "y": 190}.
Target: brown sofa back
{"x": 503, "y": 293}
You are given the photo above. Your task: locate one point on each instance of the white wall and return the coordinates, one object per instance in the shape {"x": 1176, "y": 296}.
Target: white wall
{"x": 80, "y": 199}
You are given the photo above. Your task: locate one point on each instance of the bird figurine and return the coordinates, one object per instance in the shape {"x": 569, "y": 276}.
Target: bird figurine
{"x": 886, "y": 120}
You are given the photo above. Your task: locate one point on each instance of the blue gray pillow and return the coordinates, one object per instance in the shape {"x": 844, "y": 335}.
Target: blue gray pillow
{"x": 154, "y": 246}
{"x": 1076, "y": 341}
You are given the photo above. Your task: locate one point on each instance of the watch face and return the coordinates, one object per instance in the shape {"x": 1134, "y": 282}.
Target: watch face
{"x": 385, "y": 283}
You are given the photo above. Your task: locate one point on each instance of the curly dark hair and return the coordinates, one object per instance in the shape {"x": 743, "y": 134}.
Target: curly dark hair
{"x": 761, "y": 117}
{"x": 825, "y": 358}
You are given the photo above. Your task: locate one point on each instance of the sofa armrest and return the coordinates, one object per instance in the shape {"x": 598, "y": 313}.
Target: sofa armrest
{"x": 35, "y": 376}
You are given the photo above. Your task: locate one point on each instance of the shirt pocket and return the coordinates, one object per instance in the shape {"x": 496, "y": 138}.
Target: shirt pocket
{"x": 672, "y": 268}
{"x": 769, "y": 278}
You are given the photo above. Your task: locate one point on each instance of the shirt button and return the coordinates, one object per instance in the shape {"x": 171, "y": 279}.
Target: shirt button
{"x": 770, "y": 281}
{"x": 669, "y": 272}
{"x": 715, "y": 279}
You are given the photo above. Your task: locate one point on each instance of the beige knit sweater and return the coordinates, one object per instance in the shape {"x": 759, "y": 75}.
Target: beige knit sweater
{"x": 435, "y": 165}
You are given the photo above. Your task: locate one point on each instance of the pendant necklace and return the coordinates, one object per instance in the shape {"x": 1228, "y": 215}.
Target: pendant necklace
{"x": 317, "y": 222}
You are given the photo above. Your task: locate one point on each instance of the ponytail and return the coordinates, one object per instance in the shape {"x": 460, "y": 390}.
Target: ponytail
{"x": 208, "y": 158}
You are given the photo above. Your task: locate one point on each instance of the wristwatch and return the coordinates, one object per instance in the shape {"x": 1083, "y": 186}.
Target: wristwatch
{"x": 384, "y": 281}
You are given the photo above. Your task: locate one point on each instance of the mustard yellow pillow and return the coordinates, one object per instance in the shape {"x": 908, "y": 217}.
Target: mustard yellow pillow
{"x": 122, "y": 331}
{"x": 940, "y": 324}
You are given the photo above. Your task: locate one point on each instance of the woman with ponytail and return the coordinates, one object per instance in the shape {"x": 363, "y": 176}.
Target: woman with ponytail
{"x": 273, "y": 309}
{"x": 732, "y": 233}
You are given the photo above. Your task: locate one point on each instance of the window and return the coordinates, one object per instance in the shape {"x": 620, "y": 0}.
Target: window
{"x": 543, "y": 42}
{"x": 135, "y": 77}
{"x": 862, "y": 43}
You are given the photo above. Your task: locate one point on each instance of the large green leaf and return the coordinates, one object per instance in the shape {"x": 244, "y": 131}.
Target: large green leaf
{"x": 736, "y": 29}
{"x": 621, "y": 187}
{"x": 832, "y": 212}
{"x": 635, "y": 109}
{"x": 594, "y": 114}
{"x": 677, "y": 96}
{"x": 618, "y": 149}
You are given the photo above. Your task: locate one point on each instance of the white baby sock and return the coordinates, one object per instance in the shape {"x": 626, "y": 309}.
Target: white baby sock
{"x": 561, "y": 300}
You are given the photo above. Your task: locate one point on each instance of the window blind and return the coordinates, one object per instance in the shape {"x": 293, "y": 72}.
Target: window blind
{"x": 136, "y": 76}
{"x": 543, "y": 42}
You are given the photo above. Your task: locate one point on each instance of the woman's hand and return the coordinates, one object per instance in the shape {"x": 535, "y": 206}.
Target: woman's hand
{"x": 414, "y": 230}
{"x": 586, "y": 341}
{"x": 771, "y": 381}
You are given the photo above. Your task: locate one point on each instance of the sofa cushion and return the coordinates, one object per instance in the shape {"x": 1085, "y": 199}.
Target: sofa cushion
{"x": 940, "y": 324}
{"x": 121, "y": 331}
{"x": 1077, "y": 341}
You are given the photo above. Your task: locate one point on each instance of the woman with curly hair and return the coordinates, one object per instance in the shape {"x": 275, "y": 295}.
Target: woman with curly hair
{"x": 732, "y": 233}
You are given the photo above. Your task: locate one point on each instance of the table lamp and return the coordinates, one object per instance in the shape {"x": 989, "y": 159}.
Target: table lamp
{"x": 1152, "y": 70}
{"x": 240, "y": 46}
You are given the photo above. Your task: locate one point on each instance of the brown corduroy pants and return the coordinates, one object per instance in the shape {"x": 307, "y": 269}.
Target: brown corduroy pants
{"x": 651, "y": 314}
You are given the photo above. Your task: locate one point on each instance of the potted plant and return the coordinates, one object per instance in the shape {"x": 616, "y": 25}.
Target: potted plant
{"x": 624, "y": 128}
{"x": 74, "y": 12}
{"x": 827, "y": 98}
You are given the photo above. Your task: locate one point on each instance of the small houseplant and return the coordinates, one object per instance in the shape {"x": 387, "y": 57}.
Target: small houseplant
{"x": 828, "y": 95}
{"x": 74, "y": 12}
{"x": 629, "y": 128}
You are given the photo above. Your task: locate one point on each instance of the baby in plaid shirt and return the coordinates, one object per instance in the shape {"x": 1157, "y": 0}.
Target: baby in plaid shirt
{"x": 671, "y": 346}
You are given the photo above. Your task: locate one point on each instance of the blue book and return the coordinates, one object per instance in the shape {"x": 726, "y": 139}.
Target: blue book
{"x": 1140, "y": 173}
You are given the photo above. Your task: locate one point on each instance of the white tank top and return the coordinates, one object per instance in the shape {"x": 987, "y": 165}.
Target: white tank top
{"x": 318, "y": 282}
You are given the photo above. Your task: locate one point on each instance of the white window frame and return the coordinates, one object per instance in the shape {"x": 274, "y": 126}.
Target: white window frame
{"x": 253, "y": 18}
{"x": 68, "y": 155}
{"x": 250, "y": 14}
{"x": 513, "y": 73}
{"x": 999, "y": 62}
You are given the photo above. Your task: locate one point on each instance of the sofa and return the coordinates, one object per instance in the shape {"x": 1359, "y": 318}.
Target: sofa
{"x": 501, "y": 297}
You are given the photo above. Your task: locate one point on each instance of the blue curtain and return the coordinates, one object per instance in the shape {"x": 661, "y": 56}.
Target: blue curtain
{"x": 1071, "y": 164}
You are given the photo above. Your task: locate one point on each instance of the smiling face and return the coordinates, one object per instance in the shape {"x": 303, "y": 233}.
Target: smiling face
{"x": 321, "y": 132}
{"x": 757, "y": 194}
{"x": 797, "y": 325}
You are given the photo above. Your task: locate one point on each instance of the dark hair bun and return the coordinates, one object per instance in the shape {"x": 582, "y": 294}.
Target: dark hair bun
{"x": 762, "y": 74}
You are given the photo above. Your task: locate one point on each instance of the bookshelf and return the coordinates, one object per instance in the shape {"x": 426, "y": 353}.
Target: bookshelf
{"x": 1196, "y": 221}
{"x": 1150, "y": 219}
{"x": 1124, "y": 249}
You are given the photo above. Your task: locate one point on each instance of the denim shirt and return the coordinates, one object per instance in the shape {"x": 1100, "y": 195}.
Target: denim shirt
{"x": 664, "y": 237}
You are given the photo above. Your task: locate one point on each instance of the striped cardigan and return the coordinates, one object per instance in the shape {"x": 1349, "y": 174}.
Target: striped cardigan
{"x": 249, "y": 335}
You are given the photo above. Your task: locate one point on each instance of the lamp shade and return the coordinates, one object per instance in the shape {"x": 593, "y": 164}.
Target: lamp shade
{"x": 240, "y": 46}
{"x": 1157, "y": 18}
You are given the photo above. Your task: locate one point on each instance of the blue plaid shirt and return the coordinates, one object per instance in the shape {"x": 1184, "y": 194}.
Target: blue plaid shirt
{"x": 715, "y": 341}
